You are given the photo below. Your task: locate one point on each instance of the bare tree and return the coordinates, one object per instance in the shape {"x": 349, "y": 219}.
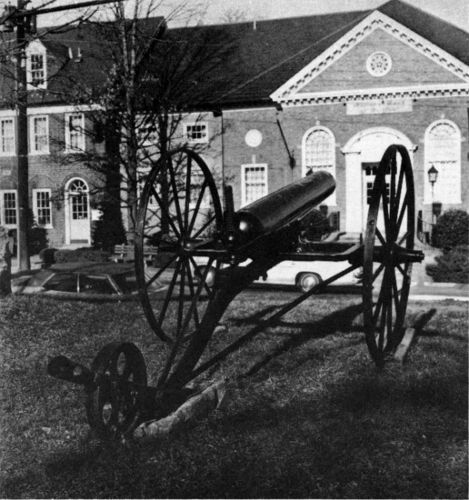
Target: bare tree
{"x": 234, "y": 15}
{"x": 149, "y": 78}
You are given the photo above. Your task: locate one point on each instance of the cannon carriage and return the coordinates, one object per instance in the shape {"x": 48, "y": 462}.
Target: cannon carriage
{"x": 206, "y": 256}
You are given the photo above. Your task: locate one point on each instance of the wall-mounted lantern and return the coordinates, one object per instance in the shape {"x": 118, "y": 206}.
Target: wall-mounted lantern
{"x": 432, "y": 175}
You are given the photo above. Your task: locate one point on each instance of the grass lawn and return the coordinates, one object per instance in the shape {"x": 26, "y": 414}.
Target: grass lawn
{"x": 313, "y": 418}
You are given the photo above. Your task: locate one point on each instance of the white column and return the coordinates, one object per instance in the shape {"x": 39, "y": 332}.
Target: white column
{"x": 353, "y": 192}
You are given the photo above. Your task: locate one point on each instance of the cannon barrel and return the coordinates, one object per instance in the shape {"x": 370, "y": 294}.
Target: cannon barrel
{"x": 63, "y": 368}
{"x": 278, "y": 209}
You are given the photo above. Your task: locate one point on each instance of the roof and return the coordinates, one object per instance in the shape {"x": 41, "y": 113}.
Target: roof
{"x": 267, "y": 55}
{"x": 272, "y": 51}
{"x": 234, "y": 64}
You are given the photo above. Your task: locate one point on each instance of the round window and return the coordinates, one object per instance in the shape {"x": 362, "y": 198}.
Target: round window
{"x": 379, "y": 64}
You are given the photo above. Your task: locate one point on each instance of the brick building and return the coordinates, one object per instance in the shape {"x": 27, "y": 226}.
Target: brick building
{"x": 318, "y": 92}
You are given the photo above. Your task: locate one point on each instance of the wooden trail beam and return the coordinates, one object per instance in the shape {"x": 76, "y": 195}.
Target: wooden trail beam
{"x": 411, "y": 334}
{"x": 196, "y": 407}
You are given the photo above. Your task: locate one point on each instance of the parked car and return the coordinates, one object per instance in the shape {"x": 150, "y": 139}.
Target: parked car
{"x": 302, "y": 274}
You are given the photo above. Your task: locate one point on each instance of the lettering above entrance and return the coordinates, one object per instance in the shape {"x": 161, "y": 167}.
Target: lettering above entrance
{"x": 379, "y": 106}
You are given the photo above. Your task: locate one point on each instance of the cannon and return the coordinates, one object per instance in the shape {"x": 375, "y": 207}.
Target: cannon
{"x": 206, "y": 256}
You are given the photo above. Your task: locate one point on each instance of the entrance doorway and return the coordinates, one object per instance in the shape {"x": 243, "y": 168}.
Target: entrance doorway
{"x": 363, "y": 153}
{"x": 77, "y": 212}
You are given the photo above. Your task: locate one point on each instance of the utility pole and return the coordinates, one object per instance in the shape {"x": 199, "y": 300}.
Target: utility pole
{"x": 24, "y": 20}
{"x": 22, "y": 141}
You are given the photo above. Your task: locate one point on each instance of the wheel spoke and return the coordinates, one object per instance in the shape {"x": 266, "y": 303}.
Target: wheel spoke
{"x": 395, "y": 292}
{"x": 169, "y": 294}
{"x": 195, "y": 298}
{"x": 402, "y": 238}
{"x": 188, "y": 192}
{"x": 380, "y": 237}
{"x": 389, "y": 330}
{"x": 181, "y": 298}
{"x": 401, "y": 214}
{"x": 382, "y": 327}
{"x": 202, "y": 229}
{"x": 160, "y": 271}
{"x": 196, "y": 209}
{"x": 165, "y": 212}
{"x": 387, "y": 222}
{"x": 201, "y": 276}
{"x": 379, "y": 304}
{"x": 398, "y": 266}
{"x": 191, "y": 287}
{"x": 377, "y": 272}
{"x": 392, "y": 193}
{"x": 399, "y": 186}
{"x": 176, "y": 197}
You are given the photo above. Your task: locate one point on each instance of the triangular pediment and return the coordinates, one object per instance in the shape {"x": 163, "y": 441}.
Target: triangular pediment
{"x": 414, "y": 67}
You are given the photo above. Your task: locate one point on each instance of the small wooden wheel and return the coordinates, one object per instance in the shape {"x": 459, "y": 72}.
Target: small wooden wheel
{"x": 115, "y": 407}
{"x": 387, "y": 269}
{"x": 179, "y": 214}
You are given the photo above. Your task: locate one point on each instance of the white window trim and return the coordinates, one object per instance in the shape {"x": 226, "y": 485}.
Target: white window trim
{"x": 243, "y": 179}
{"x": 31, "y": 135}
{"x": 427, "y": 191}
{"x": 12, "y": 119}
{"x": 35, "y": 207}
{"x": 198, "y": 124}
{"x": 81, "y": 148}
{"x": 331, "y": 201}
{"x": 2, "y": 208}
{"x": 33, "y": 49}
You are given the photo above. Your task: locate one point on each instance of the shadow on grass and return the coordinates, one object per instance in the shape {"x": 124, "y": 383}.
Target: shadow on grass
{"x": 338, "y": 321}
{"x": 367, "y": 438}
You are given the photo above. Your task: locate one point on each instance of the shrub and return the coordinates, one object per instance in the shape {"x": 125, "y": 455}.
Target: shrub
{"x": 451, "y": 266}
{"x": 109, "y": 229}
{"x": 47, "y": 256}
{"x": 451, "y": 229}
{"x": 81, "y": 255}
{"x": 315, "y": 226}
{"x": 37, "y": 239}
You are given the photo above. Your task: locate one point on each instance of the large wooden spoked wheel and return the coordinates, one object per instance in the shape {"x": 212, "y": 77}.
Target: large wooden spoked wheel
{"x": 179, "y": 213}
{"x": 389, "y": 234}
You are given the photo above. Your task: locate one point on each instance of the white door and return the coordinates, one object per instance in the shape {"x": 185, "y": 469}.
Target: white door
{"x": 78, "y": 211}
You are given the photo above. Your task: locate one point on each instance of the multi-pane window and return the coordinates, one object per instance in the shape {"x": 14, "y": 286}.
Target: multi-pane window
{"x": 75, "y": 132}
{"x": 319, "y": 154}
{"x": 42, "y": 207}
{"x": 39, "y": 134}
{"x": 443, "y": 152}
{"x": 253, "y": 183}
{"x": 37, "y": 71}
{"x": 36, "y": 65}
{"x": 8, "y": 208}
{"x": 7, "y": 136}
{"x": 196, "y": 132}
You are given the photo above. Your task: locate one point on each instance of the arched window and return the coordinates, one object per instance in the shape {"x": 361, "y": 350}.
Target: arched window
{"x": 319, "y": 154}
{"x": 36, "y": 65}
{"x": 443, "y": 152}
